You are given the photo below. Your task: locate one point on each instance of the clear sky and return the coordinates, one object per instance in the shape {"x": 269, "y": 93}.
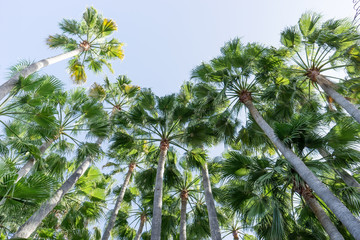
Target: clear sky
{"x": 164, "y": 40}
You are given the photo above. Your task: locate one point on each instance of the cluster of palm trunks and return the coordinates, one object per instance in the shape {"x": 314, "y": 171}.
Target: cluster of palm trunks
{"x": 291, "y": 133}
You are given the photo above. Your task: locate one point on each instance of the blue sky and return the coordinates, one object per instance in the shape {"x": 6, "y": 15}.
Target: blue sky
{"x": 164, "y": 40}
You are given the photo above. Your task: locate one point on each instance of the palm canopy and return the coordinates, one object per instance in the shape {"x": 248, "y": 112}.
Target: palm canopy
{"x": 261, "y": 191}
{"x": 161, "y": 119}
{"x": 316, "y": 47}
{"x": 24, "y": 196}
{"x": 28, "y": 107}
{"x": 79, "y": 210}
{"x": 88, "y": 34}
{"x": 115, "y": 96}
{"x": 67, "y": 115}
{"x": 235, "y": 75}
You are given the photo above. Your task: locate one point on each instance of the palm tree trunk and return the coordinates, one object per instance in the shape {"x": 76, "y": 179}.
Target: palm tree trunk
{"x": 336, "y": 206}
{"x": 347, "y": 178}
{"x": 28, "y": 165}
{"x": 35, "y": 220}
{"x": 184, "y": 199}
{"x": 156, "y": 220}
{"x": 142, "y": 223}
{"x": 117, "y": 206}
{"x": 320, "y": 214}
{"x": 235, "y": 235}
{"x": 6, "y": 87}
{"x": 210, "y": 204}
{"x": 325, "y": 84}
{"x": 31, "y": 162}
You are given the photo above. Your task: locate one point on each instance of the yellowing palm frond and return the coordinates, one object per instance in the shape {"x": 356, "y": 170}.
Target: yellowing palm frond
{"x": 77, "y": 72}
{"x": 108, "y": 27}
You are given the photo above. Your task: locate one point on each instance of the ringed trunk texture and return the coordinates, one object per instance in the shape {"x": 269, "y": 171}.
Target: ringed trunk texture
{"x": 6, "y": 87}
{"x": 31, "y": 162}
{"x": 119, "y": 200}
{"x": 184, "y": 199}
{"x": 320, "y": 214}
{"x": 235, "y": 235}
{"x": 158, "y": 194}
{"x": 336, "y": 206}
{"x": 325, "y": 84}
{"x": 139, "y": 231}
{"x": 35, "y": 220}
{"x": 347, "y": 178}
{"x": 210, "y": 204}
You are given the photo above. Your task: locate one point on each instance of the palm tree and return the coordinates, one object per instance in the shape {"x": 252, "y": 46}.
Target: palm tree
{"x": 75, "y": 112}
{"x": 198, "y": 158}
{"x": 145, "y": 181}
{"x": 233, "y": 225}
{"x": 199, "y": 226}
{"x": 119, "y": 95}
{"x": 272, "y": 179}
{"x": 87, "y": 153}
{"x": 321, "y": 48}
{"x": 143, "y": 214}
{"x": 217, "y": 125}
{"x": 186, "y": 188}
{"x": 132, "y": 157}
{"x": 91, "y": 48}
{"x": 303, "y": 132}
{"x": 79, "y": 209}
{"x": 161, "y": 119}
{"x": 231, "y": 72}
{"x": 29, "y": 111}
{"x": 25, "y": 195}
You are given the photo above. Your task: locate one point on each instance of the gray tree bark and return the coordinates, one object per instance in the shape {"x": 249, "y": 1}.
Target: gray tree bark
{"x": 119, "y": 200}
{"x": 336, "y": 206}
{"x": 6, "y": 87}
{"x": 346, "y": 177}
{"x": 158, "y": 194}
{"x": 139, "y": 231}
{"x": 35, "y": 220}
{"x": 210, "y": 204}
{"x": 326, "y": 85}
{"x": 320, "y": 214}
{"x": 31, "y": 162}
{"x": 184, "y": 200}
{"x": 27, "y": 166}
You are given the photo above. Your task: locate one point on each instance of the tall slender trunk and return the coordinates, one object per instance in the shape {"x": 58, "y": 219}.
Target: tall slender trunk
{"x": 184, "y": 199}
{"x": 35, "y": 220}
{"x": 210, "y": 204}
{"x": 142, "y": 223}
{"x": 6, "y": 87}
{"x": 156, "y": 220}
{"x": 347, "y": 178}
{"x": 27, "y": 167}
{"x": 320, "y": 214}
{"x": 325, "y": 84}
{"x": 117, "y": 206}
{"x": 336, "y": 206}
{"x": 31, "y": 162}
